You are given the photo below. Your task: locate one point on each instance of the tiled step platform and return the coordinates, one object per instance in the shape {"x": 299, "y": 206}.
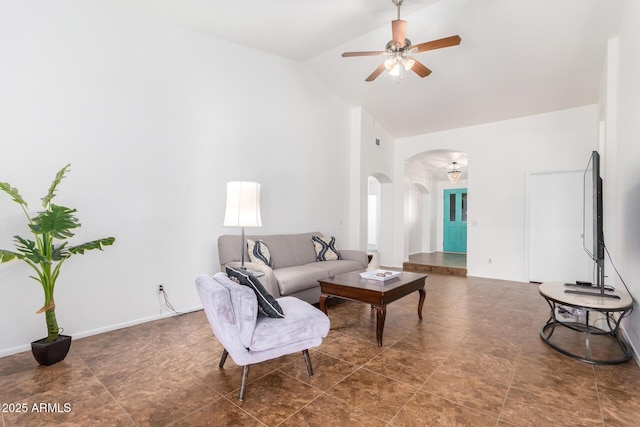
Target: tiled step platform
{"x": 452, "y": 264}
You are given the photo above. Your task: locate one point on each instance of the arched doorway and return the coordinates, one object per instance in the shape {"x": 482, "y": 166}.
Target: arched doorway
{"x": 425, "y": 200}
{"x": 380, "y": 218}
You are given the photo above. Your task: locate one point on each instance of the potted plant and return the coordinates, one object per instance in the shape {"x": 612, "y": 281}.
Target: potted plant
{"x": 45, "y": 254}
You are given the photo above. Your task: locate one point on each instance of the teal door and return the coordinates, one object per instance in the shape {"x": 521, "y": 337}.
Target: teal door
{"x": 455, "y": 220}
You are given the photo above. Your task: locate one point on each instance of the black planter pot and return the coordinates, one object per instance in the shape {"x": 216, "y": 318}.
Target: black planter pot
{"x": 48, "y": 353}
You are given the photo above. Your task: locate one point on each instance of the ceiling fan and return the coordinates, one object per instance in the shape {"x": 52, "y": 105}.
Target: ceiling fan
{"x": 399, "y": 49}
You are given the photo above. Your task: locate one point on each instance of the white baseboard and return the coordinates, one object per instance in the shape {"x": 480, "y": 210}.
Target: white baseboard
{"x": 88, "y": 333}
{"x": 630, "y": 343}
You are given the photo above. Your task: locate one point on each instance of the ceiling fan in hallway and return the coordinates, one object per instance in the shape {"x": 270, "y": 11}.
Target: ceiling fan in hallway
{"x": 400, "y": 48}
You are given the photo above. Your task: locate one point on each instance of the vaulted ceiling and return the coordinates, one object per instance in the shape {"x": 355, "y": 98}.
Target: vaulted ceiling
{"x": 517, "y": 57}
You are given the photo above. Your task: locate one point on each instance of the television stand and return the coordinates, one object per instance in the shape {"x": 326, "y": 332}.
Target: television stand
{"x": 612, "y": 310}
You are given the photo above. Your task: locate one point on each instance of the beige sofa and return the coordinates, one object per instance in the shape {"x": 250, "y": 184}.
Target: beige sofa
{"x": 295, "y": 270}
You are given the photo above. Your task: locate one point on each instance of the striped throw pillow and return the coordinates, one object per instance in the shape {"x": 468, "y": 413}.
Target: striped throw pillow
{"x": 325, "y": 248}
{"x": 259, "y": 252}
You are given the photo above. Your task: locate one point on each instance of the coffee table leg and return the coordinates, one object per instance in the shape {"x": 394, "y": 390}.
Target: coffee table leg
{"x": 323, "y": 303}
{"x": 421, "y": 302}
{"x": 381, "y": 314}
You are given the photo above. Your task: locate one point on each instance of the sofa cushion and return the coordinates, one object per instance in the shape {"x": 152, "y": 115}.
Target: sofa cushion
{"x": 337, "y": 266}
{"x": 259, "y": 252}
{"x": 303, "y": 322}
{"x": 266, "y": 302}
{"x": 325, "y": 248}
{"x": 300, "y": 277}
{"x": 286, "y": 250}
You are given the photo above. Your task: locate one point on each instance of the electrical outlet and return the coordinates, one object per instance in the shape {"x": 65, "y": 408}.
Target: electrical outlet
{"x": 160, "y": 288}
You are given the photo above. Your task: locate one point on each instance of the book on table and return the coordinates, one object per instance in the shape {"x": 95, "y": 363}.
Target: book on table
{"x": 380, "y": 275}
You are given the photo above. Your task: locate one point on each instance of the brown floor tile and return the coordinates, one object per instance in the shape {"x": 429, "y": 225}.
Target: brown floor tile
{"x": 472, "y": 391}
{"x": 220, "y": 413}
{"x": 329, "y": 411}
{"x": 327, "y": 370}
{"x": 503, "y": 329}
{"x": 349, "y": 349}
{"x": 275, "y": 397}
{"x": 161, "y": 397}
{"x": 40, "y": 379}
{"x": 404, "y": 367}
{"x": 524, "y": 408}
{"x": 426, "y": 409}
{"x": 548, "y": 364}
{"x": 625, "y": 377}
{"x": 449, "y": 323}
{"x": 619, "y": 407}
{"x": 487, "y": 362}
{"x": 429, "y": 344}
{"x": 364, "y": 387}
{"x": 21, "y": 362}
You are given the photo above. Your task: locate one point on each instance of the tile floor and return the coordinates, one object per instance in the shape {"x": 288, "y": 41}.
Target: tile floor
{"x": 475, "y": 359}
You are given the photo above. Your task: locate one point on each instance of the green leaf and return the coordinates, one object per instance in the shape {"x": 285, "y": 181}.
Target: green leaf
{"x": 30, "y": 250}
{"x": 46, "y": 200}
{"x": 6, "y": 256}
{"x": 88, "y": 246}
{"x": 57, "y": 222}
{"x": 13, "y": 193}
{"x": 60, "y": 252}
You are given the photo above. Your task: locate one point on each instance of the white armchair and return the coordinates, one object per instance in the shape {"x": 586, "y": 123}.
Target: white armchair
{"x": 249, "y": 337}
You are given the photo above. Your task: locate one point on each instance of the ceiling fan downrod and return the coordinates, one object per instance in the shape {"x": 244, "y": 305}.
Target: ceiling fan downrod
{"x": 398, "y": 3}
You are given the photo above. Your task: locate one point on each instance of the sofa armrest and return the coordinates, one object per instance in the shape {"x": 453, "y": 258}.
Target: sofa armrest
{"x": 268, "y": 280}
{"x": 354, "y": 255}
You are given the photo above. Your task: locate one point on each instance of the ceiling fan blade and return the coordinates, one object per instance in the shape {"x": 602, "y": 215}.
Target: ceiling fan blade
{"x": 420, "y": 69}
{"x": 369, "y": 53}
{"x": 436, "y": 44}
{"x": 375, "y": 74}
{"x": 398, "y": 31}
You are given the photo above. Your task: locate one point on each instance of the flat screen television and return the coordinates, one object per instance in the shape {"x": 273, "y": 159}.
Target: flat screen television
{"x": 592, "y": 229}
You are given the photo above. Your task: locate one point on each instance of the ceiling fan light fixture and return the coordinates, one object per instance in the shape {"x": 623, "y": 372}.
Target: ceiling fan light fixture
{"x": 395, "y": 71}
{"x": 389, "y": 63}
{"x": 408, "y": 63}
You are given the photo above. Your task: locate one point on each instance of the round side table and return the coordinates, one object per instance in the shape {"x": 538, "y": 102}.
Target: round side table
{"x": 613, "y": 310}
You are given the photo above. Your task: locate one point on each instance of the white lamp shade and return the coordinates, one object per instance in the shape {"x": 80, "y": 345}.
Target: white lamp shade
{"x": 243, "y": 204}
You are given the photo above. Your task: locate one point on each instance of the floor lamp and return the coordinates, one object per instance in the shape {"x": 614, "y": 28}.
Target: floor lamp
{"x": 243, "y": 208}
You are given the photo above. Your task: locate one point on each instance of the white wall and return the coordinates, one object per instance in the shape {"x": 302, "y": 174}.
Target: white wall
{"x": 416, "y": 218}
{"x": 626, "y": 252}
{"x": 155, "y": 120}
{"x": 377, "y": 161}
{"x": 500, "y": 156}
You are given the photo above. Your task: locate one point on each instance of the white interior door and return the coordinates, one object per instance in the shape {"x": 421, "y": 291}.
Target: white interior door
{"x": 555, "y": 228}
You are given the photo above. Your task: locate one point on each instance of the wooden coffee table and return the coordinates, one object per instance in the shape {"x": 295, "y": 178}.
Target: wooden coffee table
{"x": 377, "y": 293}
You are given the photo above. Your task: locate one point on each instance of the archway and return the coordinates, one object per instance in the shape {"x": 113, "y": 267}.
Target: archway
{"x": 427, "y": 176}
{"x": 380, "y": 218}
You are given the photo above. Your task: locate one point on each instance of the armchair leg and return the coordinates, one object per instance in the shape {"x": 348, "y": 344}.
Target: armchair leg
{"x": 243, "y": 383}
{"x": 307, "y": 360}
{"x": 223, "y": 359}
